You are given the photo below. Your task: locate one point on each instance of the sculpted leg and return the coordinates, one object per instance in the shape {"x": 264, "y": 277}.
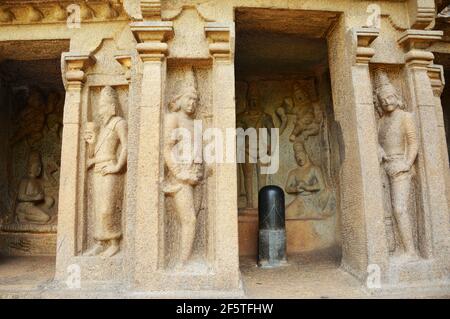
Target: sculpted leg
{"x": 49, "y": 202}
{"x": 184, "y": 204}
{"x": 97, "y": 249}
{"x": 35, "y": 214}
{"x": 112, "y": 249}
{"x": 400, "y": 191}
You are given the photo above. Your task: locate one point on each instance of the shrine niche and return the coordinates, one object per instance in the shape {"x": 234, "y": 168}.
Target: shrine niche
{"x": 33, "y": 113}
{"x": 300, "y": 120}
{"x": 306, "y": 168}
{"x": 283, "y": 82}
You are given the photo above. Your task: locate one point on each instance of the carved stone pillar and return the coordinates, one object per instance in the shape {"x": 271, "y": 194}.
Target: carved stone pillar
{"x": 67, "y": 244}
{"x": 436, "y": 74}
{"x": 433, "y": 215}
{"x": 152, "y": 49}
{"x": 369, "y": 235}
{"x": 220, "y": 37}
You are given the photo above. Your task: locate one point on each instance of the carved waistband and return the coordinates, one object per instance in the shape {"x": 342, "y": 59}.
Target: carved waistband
{"x": 99, "y": 160}
{"x": 394, "y": 157}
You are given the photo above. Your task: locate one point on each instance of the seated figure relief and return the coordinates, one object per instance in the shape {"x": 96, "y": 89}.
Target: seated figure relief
{"x": 34, "y": 162}
{"x": 313, "y": 198}
{"x": 108, "y": 164}
{"x": 33, "y": 205}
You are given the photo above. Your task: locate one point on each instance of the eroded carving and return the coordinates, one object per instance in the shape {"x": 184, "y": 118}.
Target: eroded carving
{"x": 31, "y": 121}
{"x": 313, "y": 198}
{"x": 34, "y": 162}
{"x": 306, "y": 123}
{"x": 398, "y": 147}
{"x": 254, "y": 117}
{"x": 33, "y": 204}
{"x": 107, "y": 156}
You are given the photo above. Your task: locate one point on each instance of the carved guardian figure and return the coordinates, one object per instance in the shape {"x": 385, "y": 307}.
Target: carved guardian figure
{"x": 107, "y": 157}
{"x": 398, "y": 147}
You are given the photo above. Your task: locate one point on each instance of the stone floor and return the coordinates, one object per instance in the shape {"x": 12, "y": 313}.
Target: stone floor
{"x": 25, "y": 276}
{"x": 306, "y": 276}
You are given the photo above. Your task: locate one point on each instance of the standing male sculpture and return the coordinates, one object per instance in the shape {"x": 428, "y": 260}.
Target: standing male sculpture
{"x": 107, "y": 165}
{"x": 254, "y": 117}
{"x": 183, "y": 174}
{"x": 398, "y": 149}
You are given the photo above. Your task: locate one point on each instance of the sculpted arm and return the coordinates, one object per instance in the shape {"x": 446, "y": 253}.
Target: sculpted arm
{"x": 22, "y": 196}
{"x": 291, "y": 184}
{"x": 283, "y": 118}
{"x": 411, "y": 139}
{"x": 122, "y": 133}
{"x": 318, "y": 182}
{"x": 170, "y": 125}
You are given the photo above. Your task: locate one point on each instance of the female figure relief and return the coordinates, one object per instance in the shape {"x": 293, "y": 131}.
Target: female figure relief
{"x": 183, "y": 174}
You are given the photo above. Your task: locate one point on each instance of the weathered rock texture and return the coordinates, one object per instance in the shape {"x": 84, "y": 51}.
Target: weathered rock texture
{"x": 91, "y": 90}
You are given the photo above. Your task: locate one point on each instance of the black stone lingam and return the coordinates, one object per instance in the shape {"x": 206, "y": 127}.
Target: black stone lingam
{"x": 272, "y": 227}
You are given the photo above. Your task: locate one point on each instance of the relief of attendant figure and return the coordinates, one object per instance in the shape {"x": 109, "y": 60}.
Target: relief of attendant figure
{"x": 183, "y": 174}
{"x": 254, "y": 117}
{"x": 107, "y": 157}
{"x": 398, "y": 148}
{"x": 313, "y": 199}
{"x": 308, "y": 120}
{"x": 33, "y": 205}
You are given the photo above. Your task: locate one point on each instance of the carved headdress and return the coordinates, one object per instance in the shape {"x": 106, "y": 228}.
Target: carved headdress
{"x": 109, "y": 96}
{"x": 383, "y": 87}
{"x": 188, "y": 88}
{"x": 382, "y": 83}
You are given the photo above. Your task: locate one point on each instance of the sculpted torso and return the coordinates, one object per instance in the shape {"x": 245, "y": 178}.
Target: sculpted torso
{"x": 304, "y": 180}
{"x": 393, "y": 132}
{"x": 108, "y": 139}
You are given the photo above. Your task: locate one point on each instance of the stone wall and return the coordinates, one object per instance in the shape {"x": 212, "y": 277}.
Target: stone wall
{"x": 131, "y": 218}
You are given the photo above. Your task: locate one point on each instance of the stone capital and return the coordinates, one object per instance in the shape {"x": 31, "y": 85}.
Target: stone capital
{"x": 152, "y": 37}
{"x": 125, "y": 62}
{"x": 76, "y": 63}
{"x": 419, "y": 39}
{"x": 437, "y": 80}
{"x": 364, "y": 38}
{"x": 415, "y": 42}
{"x": 218, "y": 35}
